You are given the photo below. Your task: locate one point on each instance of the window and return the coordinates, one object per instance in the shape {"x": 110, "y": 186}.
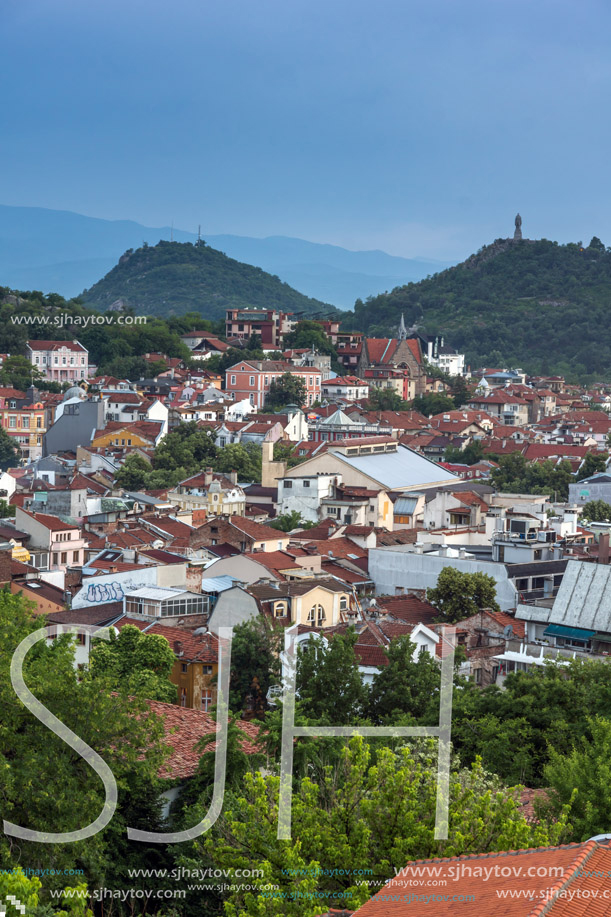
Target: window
{"x": 184, "y": 668}
{"x": 64, "y": 559}
{"x": 316, "y": 616}
{"x": 232, "y": 380}
{"x": 279, "y": 609}
{"x": 306, "y": 483}
{"x": 183, "y": 697}
{"x": 75, "y": 557}
{"x": 206, "y": 699}
{"x": 343, "y": 603}
{"x": 251, "y": 380}
{"x": 39, "y": 422}
{"x": 288, "y": 485}
{"x": 55, "y": 556}
{"x": 311, "y": 381}
{"x": 12, "y": 421}
{"x": 206, "y": 670}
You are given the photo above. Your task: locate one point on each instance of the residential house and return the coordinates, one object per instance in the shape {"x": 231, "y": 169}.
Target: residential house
{"x": 323, "y": 602}
{"x": 345, "y": 388}
{"x": 54, "y": 545}
{"x": 243, "y": 534}
{"x": 211, "y": 494}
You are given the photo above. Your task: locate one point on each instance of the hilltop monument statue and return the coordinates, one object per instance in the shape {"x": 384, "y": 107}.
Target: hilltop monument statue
{"x": 517, "y": 236}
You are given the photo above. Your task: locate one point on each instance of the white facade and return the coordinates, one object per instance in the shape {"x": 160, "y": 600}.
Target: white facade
{"x": 401, "y": 567}
{"x": 303, "y": 494}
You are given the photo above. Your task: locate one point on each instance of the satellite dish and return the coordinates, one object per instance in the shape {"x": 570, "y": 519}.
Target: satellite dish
{"x": 508, "y": 630}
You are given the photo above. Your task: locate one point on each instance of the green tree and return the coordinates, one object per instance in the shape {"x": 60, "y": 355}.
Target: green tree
{"x": 244, "y": 458}
{"x": 186, "y": 449}
{"x": 597, "y": 511}
{"x": 6, "y": 509}
{"x": 375, "y": 813}
{"x": 309, "y": 334}
{"x": 459, "y": 595}
{"x": 593, "y": 463}
{"x": 385, "y": 399}
{"x": 133, "y": 473}
{"x": 255, "y": 664}
{"x": 288, "y": 389}
{"x": 586, "y": 770}
{"x": 433, "y": 403}
{"x": 470, "y": 455}
{"x": 407, "y": 685}
{"x": 17, "y": 372}
{"x": 47, "y": 786}
{"x": 10, "y": 453}
{"x": 329, "y": 683}
{"x": 290, "y": 521}
{"x": 142, "y": 663}
{"x": 515, "y": 475}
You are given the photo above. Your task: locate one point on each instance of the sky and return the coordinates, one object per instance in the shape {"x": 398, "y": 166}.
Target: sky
{"x": 419, "y": 127}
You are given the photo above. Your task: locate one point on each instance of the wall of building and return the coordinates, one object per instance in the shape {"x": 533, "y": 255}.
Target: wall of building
{"x": 401, "y": 567}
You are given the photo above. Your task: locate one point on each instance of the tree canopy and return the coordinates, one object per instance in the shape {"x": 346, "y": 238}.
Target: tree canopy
{"x": 459, "y": 595}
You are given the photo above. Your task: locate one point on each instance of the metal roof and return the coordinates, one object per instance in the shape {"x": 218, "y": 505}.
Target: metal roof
{"x": 217, "y": 583}
{"x": 402, "y": 468}
{"x": 157, "y": 593}
{"x": 405, "y": 505}
{"x": 583, "y": 600}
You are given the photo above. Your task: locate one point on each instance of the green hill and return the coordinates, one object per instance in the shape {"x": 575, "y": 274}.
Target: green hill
{"x": 172, "y": 278}
{"x": 535, "y": 304}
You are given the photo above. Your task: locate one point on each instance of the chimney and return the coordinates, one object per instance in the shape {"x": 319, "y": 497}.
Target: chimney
{"x": 603, "y": 549}
{"x": 208, "y": 476}
{"x": 233, "y": 477}
{"x": 418, "y": 547}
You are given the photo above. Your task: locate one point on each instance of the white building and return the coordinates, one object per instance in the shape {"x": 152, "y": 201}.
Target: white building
{"x": 446, "y": 358}
{"x": 304, "y": 494}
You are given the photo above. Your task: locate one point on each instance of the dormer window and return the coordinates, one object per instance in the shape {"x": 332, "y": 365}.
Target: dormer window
{"x": 279, "y": 609}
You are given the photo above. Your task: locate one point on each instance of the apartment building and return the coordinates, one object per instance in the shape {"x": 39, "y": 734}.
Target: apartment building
{"x": 251, "y": 379}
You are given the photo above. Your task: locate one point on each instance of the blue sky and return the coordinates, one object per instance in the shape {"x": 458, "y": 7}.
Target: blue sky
{"x": 415, "y": 127}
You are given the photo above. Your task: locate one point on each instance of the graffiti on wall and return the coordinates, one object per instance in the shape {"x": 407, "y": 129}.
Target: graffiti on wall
{"x": 105, "y": 592}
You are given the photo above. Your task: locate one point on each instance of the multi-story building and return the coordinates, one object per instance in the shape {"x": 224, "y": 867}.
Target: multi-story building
{"x": 26, "y": 426}
{"x": 269, "y": 324}
{"x": 54, "y": 543}
{"x": 59, "y": 361}
{"x": 345, "y": 388}
{"x": 252, "y": 379}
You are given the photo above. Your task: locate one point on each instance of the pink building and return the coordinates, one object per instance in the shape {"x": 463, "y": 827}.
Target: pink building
{"x": 251, "y": 379}
{"x": 59, "y": 361}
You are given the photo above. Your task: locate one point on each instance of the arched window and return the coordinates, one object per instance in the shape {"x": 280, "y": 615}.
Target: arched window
{"x": 279, "y": 609}
{"x": 343, "y": 603}
{"x": 316, "y": 616}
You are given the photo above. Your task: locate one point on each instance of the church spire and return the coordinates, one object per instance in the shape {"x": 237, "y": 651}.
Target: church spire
{"x": 402, "y": 329}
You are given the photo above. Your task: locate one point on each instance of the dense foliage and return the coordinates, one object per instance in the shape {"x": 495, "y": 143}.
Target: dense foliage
{"x": 172, "y": 278}
{"x": 515, "y": 475}
{"x": 534, "y": 304}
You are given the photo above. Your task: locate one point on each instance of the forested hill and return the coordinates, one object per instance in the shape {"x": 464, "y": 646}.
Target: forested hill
{"x": 536, "y": 304}
{"x": 172, "y": 278}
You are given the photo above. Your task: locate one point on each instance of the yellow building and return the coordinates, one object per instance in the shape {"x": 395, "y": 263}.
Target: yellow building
{"x": 311, "y": 602}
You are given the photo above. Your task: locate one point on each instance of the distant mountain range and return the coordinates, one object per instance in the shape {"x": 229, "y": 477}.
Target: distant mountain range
{"x": 64, "y": 252}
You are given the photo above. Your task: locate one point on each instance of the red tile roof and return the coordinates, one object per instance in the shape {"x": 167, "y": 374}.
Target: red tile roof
{"x": 55, "y": 345}
{"x": 184, "y": 729}
{"x": 486, "y": 892}
{"x": 51, "y": 522}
